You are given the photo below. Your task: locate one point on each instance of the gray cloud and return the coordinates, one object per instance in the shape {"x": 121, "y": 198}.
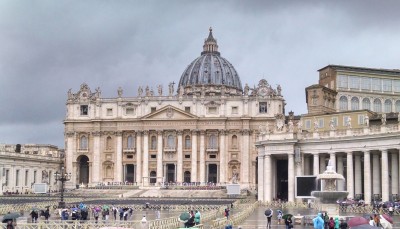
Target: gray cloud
{"x": 47, "y": 47}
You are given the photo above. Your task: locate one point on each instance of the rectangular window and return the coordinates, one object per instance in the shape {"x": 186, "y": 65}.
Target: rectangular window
{"x": 212, "y": 110}
{"x": 109, "y": 112}
{"x": 130, "y": 111}
{"x": 153, "y": 109}
{"x": 129, "y": 156}
{"x": 263, "y": 108}
{"x": 17, "y": 177}
{"x": 335, "y": 121}
{"x": 342, "y": 81}
{"x": 235, "y": 110}
{"x": 213, "y": 156}
{"x": 396, "y": 85}
{"x": 34, "y": 176}
{"x": 376, "y": 84}
{"x": 366, "y": 83}
{"x": 7, "y": 177}
{"x": 354, "y": 82}
{"x": 26, "y": 177}
{"x": 84, "y": 109}
{"x": 187, "y": 156}
{"x": 321, "y": 123}
{"x": 345, "y": 118}
{"x": 387, "y": 85}
{"x": 187, "y": 109}
{"x": 307, "y": 124}
{"x": 153, "y": 156}
{"x": 360, "y": 119}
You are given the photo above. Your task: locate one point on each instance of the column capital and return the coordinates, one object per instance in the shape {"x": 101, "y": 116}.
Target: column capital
{"x": 202, "y": 132}
{"x": 179, "y": 132}
{"x": 138, "y": 132}
{"x": 70, "y": 134}
{"x": 146, "y": 132}
{"x": 195, "y": 131}
{"x": 96, "y": 133}
{"x": 367, "y": 152}
{"x": 245, "y": 132}
{"x": 223, "y": 132}
{"x": 384, "y": 150}
{"x": 118, "y": 133}
{"x": 159, "y": 132}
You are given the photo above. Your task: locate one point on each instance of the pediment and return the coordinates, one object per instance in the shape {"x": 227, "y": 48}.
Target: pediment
{"x": 169, "y": 113}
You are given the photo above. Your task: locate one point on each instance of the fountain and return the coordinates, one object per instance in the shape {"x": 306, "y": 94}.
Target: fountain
{"x": 329, "y": 196}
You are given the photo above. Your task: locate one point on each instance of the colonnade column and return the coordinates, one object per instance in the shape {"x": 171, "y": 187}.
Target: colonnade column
{"x": 350, "y": 175}
{"x": 339, "y": 169}
{"x": 367, "y": 177}
{"x": 376, "y": 175}
{"x": 385, "y": 176}
{"x": 202, "y": 158}
{"x": 322, "y": 163}
{"x": 291, "y": 182}
{"x": 357, "y": 175}
{"x": 244, "y": 167}
{"x": 260, "y": 174}
{"x": 332, "y": 159}
{"x": 96, "y": 157}
{"x": 193, "y": 172}
{"x": 159, "y": 156}
{"x": 179, "y": 177}
{"x": 71, "y": 143}
{"x": 306, "y": 165}
{"x": 222, "y": 159}
{"x": 395, "y": 173}
{"x": 118, "y": 170}
{"x": 146, "y": 157}
{"x": 139, "y": 157}
{"x": 267, "y": 178}
{"x": 315, "y": 164}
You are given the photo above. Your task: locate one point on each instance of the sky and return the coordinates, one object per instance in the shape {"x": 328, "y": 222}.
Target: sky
{"x": 48, "y": 47}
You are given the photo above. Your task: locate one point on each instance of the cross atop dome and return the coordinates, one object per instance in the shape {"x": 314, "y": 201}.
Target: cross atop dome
{"x": 210, "y": 44}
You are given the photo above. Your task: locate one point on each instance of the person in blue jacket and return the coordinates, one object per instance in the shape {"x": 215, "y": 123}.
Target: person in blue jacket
{"x": 318, "y": 222}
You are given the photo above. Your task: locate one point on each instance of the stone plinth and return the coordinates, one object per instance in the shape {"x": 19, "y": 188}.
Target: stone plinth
{"x": 331, "y": 209}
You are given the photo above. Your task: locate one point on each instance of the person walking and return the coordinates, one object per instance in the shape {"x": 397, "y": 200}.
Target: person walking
{"x": 197, "y": 217}
{"x": 144, "y": 222}
{"x": 227, "y": 213}
{"x": 318, "y": 222}
{"x": 280, "y": 214}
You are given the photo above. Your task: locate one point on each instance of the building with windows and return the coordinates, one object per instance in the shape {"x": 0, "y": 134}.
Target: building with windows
{"x": 21, "y": 166}
{"x": 202, "y": 132}
{"x": 353, "y": 121}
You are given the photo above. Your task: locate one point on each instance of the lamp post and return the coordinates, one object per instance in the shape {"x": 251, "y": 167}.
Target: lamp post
{"x": 63, "y": 177}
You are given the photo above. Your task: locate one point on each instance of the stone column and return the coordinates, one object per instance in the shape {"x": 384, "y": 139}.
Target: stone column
{"x": 260, "y": 174}
{"x": 395, "y": 173}
{"x": 244, "y": 167}
{"x": 179, "y": 176}
{"x": 315, "y": 164}
{"x": 350, "y": 176}
{"x": 118, "y": 171}
{"x": 222, "y": 159}
{"x": 267, "y": 178}
{"x": 332, "y": 159}
{"x": 96, "y": 158}
{"x": 307, "y": 166}
{"x": 202, "y": 158}
{"x": 376, "y": 175}
{"x": 71, "y": 149}
{"x": 291, "y": 182}
{"x": 193, "y": 172}
{"x": 160, "y": 156}
{"x": 385, "y": 176}
{"x": 146, "y": 158}
{"x": 339, "y": 169}
{"x": 367, "y": 177}
{"x": 139, "y": 157}
{"x": 322, "y": 164}
{"x": 357, "y": 175}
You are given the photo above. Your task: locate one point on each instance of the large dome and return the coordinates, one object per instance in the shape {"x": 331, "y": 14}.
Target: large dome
{"x": 210, "y": 72}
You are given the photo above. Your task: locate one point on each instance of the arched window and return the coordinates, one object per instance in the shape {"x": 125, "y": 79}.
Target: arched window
{"x": 108, "y": 142}
{"x": 388, "y": 106}
{"x": 343, "y": 103}
{"x": 130, "y": 144}
{"x": 366, "y": 104}
{"x": 170, "y": 141}
{"x": 186, "y": 177}
{"x": 153, "y": 142}
{"x": 397, "y": 106}
{"x": 377, "y": 105}
{"x": 212, "y": 142}
{"x": 234, "y": 142}
{"x": 355, "y": 104}
{"x": 84, "y": 142}
{"x": 188, "y": 144}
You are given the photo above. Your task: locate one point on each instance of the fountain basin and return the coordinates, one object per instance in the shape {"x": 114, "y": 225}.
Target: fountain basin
{"x": 329, "y": 197}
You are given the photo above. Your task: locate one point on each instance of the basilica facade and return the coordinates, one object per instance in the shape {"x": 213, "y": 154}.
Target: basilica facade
{"x": 201, "y": 131}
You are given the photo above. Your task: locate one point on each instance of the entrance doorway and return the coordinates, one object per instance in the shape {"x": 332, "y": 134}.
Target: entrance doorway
{"x": 130, "y": 173}
{"x": 212, "y": 173}
{"x": 170, "y": 173}
{"x": 83, "y": 169}
{"x": 282, "y": 179}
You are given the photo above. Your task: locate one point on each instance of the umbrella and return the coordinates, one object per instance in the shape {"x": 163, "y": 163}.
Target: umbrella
{"x": 10, "y": 216}
{"x": 388, "y": 218}
{"x": 106, "y": 207}
{"x": 279, "y": 211}
{"x": 269, "y": 212}
{"x": 356, "y": 221}
{"x": 287, "y": 216}
{"x": 185, "y": 216}
{"x": 365, "y": 226}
